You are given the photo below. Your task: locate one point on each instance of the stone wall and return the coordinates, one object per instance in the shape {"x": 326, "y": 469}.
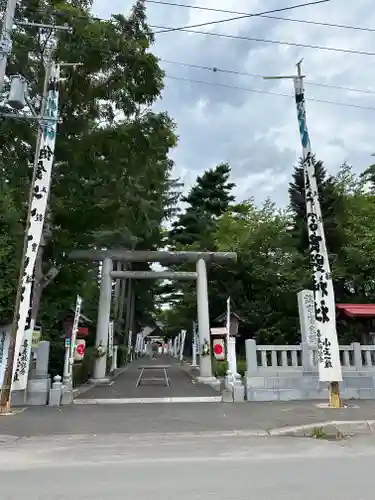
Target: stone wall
{"x": 286, "y": 373}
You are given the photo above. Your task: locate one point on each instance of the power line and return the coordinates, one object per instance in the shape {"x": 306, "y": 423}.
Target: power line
{"x": 317, "y": 23}
{"x": 237, "y": 37}
{"x": 269, "y": 92}
{"x": 277, "y": 42}
{"x": 215, "y": 69}
{"x": 244, "y": 16}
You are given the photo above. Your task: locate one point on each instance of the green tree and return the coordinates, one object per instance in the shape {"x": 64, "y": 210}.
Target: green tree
{"x": 264, "y": 282}
{"x": 111, "y": 178}
{"x": 209, "y": 198}
{"x": 11, "y": 234}
{"x": 356, "y": 263}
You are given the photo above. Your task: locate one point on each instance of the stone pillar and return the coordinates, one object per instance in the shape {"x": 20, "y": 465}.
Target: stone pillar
{"x": 357, "y": 352}
{"x": 307, "y": 358}
{"x": 42, "y": 360}
{"x": 205, "y": 364}
{"x": 233, "y": 380}
{"x": 56, "y": 392}
{"x": 251, "y": 358}
{"x": 39, "y": 386}
{"x": 114, "y": 358}
{"x": 104, "y": 311}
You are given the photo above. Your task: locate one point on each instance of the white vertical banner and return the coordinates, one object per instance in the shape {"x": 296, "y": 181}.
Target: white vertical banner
{"x": 182, "y": 344}
{"x": 324, "y": 296}
{"x": 227, "y": 327}
{"x": 38, "y": 209}
{"x": 228, "y": 318}
{"x": 130, "y": 357}
{"x": 232, "y": 357}
{"x": 110, "y": 338}
{"x": 306, "y": 312}
{"x": 194, "y": 344}
{"x": 137, "y": 344}
{"x": 73, "y": 338}
{"x": 4, "y": 348}
{"x": 77, "y": 315}
{"x": 178, "y": 341}
{"x": 197, "y": 339}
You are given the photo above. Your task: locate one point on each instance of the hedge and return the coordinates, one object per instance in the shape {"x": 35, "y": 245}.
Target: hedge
{"x": 220, "y": 368}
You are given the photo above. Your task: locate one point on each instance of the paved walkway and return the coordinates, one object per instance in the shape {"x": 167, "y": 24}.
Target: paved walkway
{"x": 124, "y": 385}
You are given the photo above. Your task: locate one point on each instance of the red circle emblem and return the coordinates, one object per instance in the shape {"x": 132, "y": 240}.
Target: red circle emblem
{"x": 81, "y": 349}
{"x": 218, "y": 349}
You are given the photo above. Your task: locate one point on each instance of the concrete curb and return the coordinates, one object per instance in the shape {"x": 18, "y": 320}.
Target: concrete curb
{"x": 122, "y": 401}
{"x": 337, "y": 429}
{"x": 332, "y": 430}
{"x": 5, "y": 439}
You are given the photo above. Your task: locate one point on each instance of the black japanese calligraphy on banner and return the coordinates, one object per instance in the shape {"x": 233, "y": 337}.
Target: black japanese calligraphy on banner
{"x": 40, "y": 170}
{"x": 2, "y": 344}
{"x": 4, "y": 348}
{"x": 40, "y": 190}
{"x": 23, "y": 362}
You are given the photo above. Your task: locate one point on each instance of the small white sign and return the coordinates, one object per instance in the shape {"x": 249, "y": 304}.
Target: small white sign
{"x": 222, "y": 330}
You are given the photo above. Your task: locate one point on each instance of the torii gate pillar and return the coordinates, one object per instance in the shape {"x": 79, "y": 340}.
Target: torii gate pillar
{"x": 205, "y": 363}
{"x": 102, "y": 324}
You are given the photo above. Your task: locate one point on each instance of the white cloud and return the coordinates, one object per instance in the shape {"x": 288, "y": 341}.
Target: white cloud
{"x": 258, "y": 133}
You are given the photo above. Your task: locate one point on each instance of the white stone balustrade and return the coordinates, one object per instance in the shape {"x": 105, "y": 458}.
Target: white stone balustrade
{"x": 291, "y": 357}
{"x": 290, "y": 372}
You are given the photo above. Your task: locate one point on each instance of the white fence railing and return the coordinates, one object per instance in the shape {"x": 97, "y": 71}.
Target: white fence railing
{"x": 302, "y": 357}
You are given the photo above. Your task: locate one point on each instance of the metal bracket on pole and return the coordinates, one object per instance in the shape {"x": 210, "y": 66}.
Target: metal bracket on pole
{"x": 53, "y": 27}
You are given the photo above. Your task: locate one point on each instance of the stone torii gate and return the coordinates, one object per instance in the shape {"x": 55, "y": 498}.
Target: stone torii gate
{"x": 108, "y": 274}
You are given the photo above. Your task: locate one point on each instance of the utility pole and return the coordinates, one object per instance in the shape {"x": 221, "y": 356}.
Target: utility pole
{"x": 6, "y": 39}
{"x": 38, "y": 196}
{"x": 325, "y": 308}
{"x": 15, "y": 375}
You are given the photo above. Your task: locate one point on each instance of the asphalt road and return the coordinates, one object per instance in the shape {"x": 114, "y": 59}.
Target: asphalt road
{"x": 174, "y": 418}
{"x": 186, "y": 467}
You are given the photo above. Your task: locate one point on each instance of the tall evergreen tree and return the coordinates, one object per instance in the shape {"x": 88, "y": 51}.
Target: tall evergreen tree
{"x": 209, "y": 198}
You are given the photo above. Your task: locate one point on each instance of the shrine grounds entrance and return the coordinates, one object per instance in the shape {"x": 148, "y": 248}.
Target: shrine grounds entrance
{"x": 124, "y": 387}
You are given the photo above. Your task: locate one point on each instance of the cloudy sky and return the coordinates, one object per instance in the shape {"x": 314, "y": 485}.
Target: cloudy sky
{"x": 256, "y": 132}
